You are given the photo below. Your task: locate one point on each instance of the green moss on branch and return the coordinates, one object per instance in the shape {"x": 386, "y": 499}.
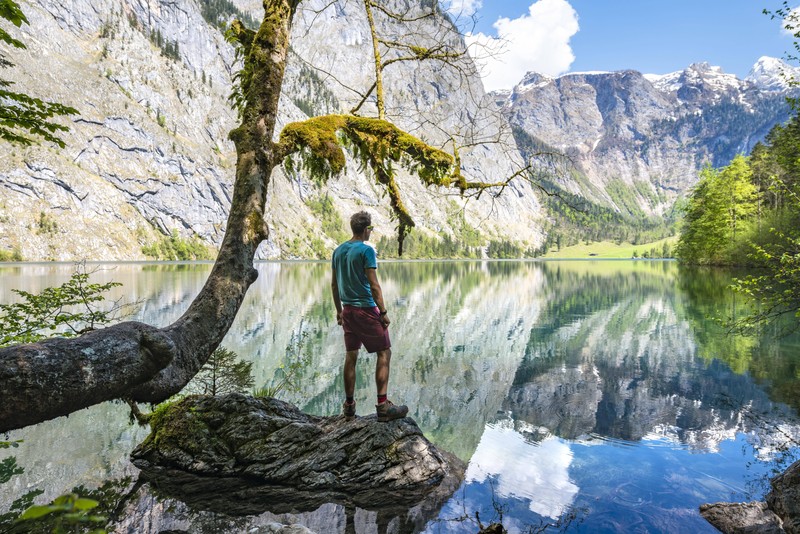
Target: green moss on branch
{"x": 317, "y": 146}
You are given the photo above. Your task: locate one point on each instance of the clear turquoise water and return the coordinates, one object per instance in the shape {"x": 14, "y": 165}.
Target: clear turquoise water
{"x": 596, "y": 396}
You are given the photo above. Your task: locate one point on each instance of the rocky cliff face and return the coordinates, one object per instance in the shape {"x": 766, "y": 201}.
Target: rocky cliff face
{"x": 149, "y": 156}
{"x": 637, "y": 142}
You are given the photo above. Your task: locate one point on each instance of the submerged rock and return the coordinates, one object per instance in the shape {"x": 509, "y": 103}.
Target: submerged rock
{"x": 240, "y": 455}
{"x": 784, "y": 499}
{"x": 781, "y": 512}
{"x": 742, "y": 517}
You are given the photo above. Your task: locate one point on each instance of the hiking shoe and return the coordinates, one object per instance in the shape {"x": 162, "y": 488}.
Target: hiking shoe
{"x": 349, "y": 410}
{"x": 387, "y": 411}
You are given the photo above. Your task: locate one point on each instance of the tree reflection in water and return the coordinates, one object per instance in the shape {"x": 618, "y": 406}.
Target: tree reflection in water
{"x": 588, "y": 384}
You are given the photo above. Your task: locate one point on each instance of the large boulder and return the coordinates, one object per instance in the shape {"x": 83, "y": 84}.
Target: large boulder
{"x": 781, "y": 512}
{"x": 784, "y": 499}
{"x": 241, "y": 455}
{"x": 742, "y": 517}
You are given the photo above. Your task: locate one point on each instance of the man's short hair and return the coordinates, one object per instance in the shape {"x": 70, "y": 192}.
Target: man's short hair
{"x": 359, "y": 222}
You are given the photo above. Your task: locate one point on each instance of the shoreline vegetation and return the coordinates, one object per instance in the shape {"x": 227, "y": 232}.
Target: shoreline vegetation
{"x": 600, "y": 250}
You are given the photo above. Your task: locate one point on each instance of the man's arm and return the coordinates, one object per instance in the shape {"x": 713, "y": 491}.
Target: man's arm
{"x": 336, "y": 299}
{"x": 377, "y": 293}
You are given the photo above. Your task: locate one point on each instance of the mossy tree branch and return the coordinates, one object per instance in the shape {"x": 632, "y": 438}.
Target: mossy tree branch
{"x": 318, "y": 145}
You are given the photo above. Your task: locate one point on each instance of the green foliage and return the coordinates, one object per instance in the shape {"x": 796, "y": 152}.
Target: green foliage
{"x": 624, "y": 198}
{"x": 462, "y": 230}
{"x": 776, "y": 293}
{"x": 332, "y": 223}
{"x": 8, "y": 520}
{"x": 66, "y": 311}
{"x": 419, "y": 246}
{"x": 241, "y": 38}
{"x": 316, "y": 146}
{"x": 223, "y": 373}
{"x": 169, "y": 49}
{"x": 311, "y": 94}
{"x": 25, "y": 119}
{"x": 81, "y": 510}
{"x": 218, "y": 13}
{"x": 9, "y": 468}
{"x": 502, "y": 250}
{"x": 287, "y": 377}
{"x": 576, "y": 219}
{"x": 719, "y": 215}
{"x": 662, "y": 252}
{"x": 749, "y": 213}
{"x": 11, "y": 255}
{"x": 65, "y": 512}
{"x": 466, "y": 241}
{"x": 46, "y": 224}
{"x": 176, "y": 248}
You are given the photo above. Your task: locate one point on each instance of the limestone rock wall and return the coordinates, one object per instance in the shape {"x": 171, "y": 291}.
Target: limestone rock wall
{"x": 148, "y": 155}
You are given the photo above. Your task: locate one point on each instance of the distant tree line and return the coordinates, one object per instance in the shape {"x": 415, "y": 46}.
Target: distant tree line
{"x": 576, "y": 219}
{"x": 169, "y": 49}
{"x": 748, "y": 214}
{"x": 219, "y": 13}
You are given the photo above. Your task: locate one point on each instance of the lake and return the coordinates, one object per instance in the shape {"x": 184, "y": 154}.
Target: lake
{"x": 593, "y": 396}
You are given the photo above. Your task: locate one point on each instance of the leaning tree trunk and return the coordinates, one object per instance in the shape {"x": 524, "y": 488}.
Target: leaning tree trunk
{"x": 146, "y": 364}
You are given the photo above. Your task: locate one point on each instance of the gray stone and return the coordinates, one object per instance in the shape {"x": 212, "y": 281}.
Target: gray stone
{"x": 784, "y": 499}
{"x": 781, "y": 512}
{"x": 239, "y": 455}
{"x": 742, "y": 518}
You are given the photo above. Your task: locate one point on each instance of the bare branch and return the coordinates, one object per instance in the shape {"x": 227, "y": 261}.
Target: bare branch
{"x": 401, "y": 18}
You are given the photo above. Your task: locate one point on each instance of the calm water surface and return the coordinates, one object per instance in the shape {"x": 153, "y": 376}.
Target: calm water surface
{"x": 595, "y": 396}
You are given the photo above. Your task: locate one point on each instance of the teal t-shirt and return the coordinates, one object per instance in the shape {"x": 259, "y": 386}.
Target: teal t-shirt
{"x": 350, "y": 259}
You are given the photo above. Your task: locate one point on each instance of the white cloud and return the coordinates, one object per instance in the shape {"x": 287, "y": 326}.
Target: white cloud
{"x": 538, "y": 41}
{"x": 462, "y": 8}
{"x": 537, "y": 472}
{"x": 791, "y": 22}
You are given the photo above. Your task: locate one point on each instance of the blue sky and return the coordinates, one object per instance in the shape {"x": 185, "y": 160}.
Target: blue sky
{"x": 558, "y": 36}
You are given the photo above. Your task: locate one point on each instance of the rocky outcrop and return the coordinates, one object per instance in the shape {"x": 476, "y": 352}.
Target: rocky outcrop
{"x": 781, "y": 512}
{"x": 239, "y": 455}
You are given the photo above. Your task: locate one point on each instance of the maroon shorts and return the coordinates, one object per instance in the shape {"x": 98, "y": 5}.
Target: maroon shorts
{"x": 363, "y": 325}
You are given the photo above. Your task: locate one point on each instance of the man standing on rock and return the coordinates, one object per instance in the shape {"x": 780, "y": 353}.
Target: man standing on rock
{"x": 361, "y": 312}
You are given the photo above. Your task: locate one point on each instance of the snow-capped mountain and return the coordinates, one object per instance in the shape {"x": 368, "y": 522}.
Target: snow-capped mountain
{"x": 637, "y": 142}
{"x": 772, "y": 74}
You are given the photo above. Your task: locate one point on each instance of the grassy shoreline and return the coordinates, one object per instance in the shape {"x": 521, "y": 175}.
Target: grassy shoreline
{"x": 610, "y": 250}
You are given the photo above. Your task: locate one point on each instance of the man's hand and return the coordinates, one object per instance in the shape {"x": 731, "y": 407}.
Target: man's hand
{"x": 385, "y": 319}
{"x": 339, "y": 318}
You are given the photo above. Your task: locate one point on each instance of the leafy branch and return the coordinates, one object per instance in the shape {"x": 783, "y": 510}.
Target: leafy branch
{"x": 23, "y": 118}
{"x": 67, "y": 311}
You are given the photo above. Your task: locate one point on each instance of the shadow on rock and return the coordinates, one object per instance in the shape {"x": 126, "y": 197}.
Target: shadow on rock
{"x": 242, "y": 456}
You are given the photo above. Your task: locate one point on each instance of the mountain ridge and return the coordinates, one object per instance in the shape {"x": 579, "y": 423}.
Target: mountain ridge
{"x": 148, "y": 159}
{"x": 647, "y": 136}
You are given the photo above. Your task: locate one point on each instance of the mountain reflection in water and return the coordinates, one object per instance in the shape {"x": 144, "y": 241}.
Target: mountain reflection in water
{"x": 593, "y": 388}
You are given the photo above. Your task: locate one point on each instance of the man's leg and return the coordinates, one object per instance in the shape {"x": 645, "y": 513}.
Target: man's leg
{"x": 349, "y": 406}
{"x": 382, "y": 371}
{"x": 350, "y": 373}
{"x": 386, "y": 411}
